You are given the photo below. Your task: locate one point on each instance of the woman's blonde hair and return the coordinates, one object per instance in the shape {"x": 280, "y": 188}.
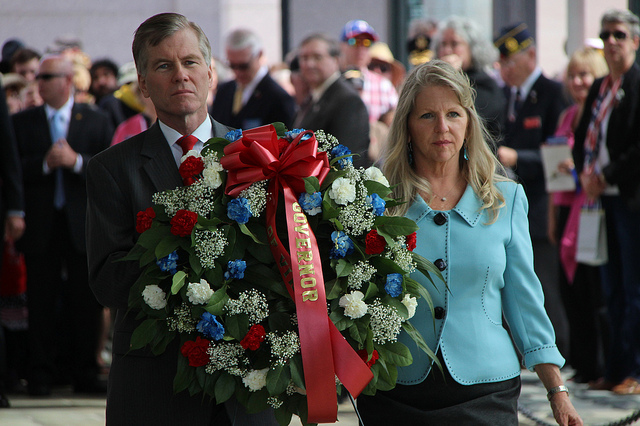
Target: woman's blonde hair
{"x": 590, "y": 58}
{"x": 481, "y": 171}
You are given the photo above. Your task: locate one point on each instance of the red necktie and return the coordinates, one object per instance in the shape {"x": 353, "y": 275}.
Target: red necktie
{"x": 187, "y": 143}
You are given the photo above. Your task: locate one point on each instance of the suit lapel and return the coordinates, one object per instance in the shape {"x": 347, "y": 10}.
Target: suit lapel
{"x": 160, "y": 165}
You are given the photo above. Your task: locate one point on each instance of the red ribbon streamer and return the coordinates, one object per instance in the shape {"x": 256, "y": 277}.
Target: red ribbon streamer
{"x": 260, "y": 155}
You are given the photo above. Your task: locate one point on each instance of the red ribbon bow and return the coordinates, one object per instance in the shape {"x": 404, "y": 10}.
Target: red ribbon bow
{"x": 257, "y": 156}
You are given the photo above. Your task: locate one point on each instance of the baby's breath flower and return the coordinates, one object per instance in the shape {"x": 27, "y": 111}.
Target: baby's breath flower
{"x": 385, "y": 322}
{"x": 283, "y": 346}
{"x": 357, "y": 217}
{"x": 252, "y": 303}
{"x": 274, "y": 402}
{"x": 326, "y": 142}
{"x": 209, "y": 245}
{"x": 362, "y": 272}
{"x": 256, "y": 194}
{"x": 181, "y": 320}
{"x": 172, "y": 201}
{"x": 398, "y": 253}
{"x": 227, "y": 357}
{"x": 200, "y": 198}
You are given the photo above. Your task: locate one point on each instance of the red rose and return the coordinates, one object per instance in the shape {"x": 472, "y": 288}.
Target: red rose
{"x": 196, "y": 351}
{"x": 144, "y": 220}
{"x": 282, "y": 145}
{"x": 375, "y": 243}
{"x": 254, "y": 337}
{"x": 411, "y": 241}
{"x": 364, "y": 355}
{"x": 183, "y": 222}
{"x": 190, "y": 169}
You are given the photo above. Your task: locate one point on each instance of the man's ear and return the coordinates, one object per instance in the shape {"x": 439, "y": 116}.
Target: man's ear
{"x": 142, "y": 85}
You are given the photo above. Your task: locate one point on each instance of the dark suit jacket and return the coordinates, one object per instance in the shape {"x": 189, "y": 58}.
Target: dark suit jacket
{"x": 341, "y": 113}
{"x": 89, "y": 133}
{"x": 490, "y": 101}
{"x": 121, "y": 182}
{"x": 11, "y": 196}
{"x": 623, "y": 138}
{"x": 268, "y": 103}
{"x": 536, "y": 121}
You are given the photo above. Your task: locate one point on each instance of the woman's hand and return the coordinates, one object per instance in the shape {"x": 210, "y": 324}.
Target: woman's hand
{"x": 564, "y": 411}
{"x": 593, "y": 185}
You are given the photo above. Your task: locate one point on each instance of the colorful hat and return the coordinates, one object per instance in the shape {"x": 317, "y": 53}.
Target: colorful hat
{"x": 358, "y": 27}
{"x": 513, "y": 39}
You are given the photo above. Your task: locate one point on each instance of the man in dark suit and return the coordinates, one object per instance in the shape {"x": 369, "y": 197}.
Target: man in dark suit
{"x": 253, "y": 98}
{"x": 11, "y": 210}
{"x": 534, "y": 104}
{"x": 607, "y": 157}
{"x": 55, "y": 143}
{"x": 173, "y": 59}
{"x": 334, "y": 105}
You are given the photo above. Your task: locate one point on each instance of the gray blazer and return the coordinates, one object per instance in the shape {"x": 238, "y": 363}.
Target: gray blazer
{"x": 120, "y": 183}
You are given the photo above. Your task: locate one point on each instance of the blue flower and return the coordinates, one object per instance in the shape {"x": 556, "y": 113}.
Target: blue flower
{"x": 292, "y": 134}
{"x": 210, "y": 327}
{"x": 239, "y": 210}
{"x": 233, "y": 135}
{"x": 235, "y": 269}
{"x": 378, "y": 204}
{"x": 311, "y": 203}
{"x": 339, "y": 151}
{"x": 169, "y": 263}
{"x": 394, "y": 285}
{"x": 342, "y": 245}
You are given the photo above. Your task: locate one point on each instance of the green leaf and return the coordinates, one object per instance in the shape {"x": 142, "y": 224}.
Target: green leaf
{"x": 144, "y": 334}
{"x": 278, "y": 379}
{"x": 257, "y": 401}
{"x": 333, "y": 289}
{"x": 283, "y": 416}
{"x": 414, "y": 287}
{"x": 168, "y": 245}
{"x": 217, "y": 302}
{"x": 343, "y": 268}
{"x": 311, "y": 184}
{"x": 374, "y": 187}
{"x": 426, "y": 267}
{"x": 246, "y": 231}
{"x": 395, "y": 225}
{"x": 280, "y": 128}
{"x": 329, "y": 207}
{"x": 184, "y": 376}
{"x": 385, "y": 266}
{"x": 178, "y": 281}
{"x": 396, "y": 353}
{"x": 417, "y": 337}
{"x": 297, "y": 374}
{"x": 225, "y": 386}
{"x": 358, "y": 331}
{"x": 237, "y": 325}
{"x": 341, "y": 321}
{"x": 372, "y": 291}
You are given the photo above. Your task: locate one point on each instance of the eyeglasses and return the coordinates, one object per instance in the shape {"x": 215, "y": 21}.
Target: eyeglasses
{"x": 381, "y": 66}
{"x": 48, "y": 76}
{"x": 618, "y": 35}
{"x": 240, "y": 67}
{"x": 359, "y": 42}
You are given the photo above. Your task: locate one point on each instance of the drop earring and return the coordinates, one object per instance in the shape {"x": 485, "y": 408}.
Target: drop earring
{"x": 465, "y": 153}
{"x": 410, "y": 153}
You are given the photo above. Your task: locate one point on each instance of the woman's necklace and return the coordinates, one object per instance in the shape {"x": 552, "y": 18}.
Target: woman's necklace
{"x": 444, "y": 197}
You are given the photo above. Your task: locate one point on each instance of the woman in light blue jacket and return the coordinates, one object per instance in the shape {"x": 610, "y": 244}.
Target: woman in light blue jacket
{"x": 473, "y": 226}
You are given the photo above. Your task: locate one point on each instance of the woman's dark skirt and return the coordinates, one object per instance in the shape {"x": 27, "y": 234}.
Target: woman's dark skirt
{"x": 440, "y": 400}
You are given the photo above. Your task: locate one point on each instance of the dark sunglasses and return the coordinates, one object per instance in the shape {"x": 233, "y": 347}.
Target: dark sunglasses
{"x": 618, "y": 35}
{"x": 240, "y": 67}
{"x": 48, "y": 76}
{"x": 380, "y": 66}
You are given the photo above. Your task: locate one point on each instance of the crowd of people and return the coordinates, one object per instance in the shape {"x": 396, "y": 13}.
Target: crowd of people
{"x": 454, "y": 130}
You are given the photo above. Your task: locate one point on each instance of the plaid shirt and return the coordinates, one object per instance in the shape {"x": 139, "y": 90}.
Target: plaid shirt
{"x": 378, "y": 94}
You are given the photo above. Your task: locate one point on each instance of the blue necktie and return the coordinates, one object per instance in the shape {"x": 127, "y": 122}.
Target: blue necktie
{"x": 58, "y": 131}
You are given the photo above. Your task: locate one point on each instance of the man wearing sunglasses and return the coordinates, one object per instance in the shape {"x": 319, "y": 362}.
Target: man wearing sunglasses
{"x": 607, "y": 157}
{"x": 55, "y": 143}
{"x": 378, "y": 93}
{"x": 253, "y": 98}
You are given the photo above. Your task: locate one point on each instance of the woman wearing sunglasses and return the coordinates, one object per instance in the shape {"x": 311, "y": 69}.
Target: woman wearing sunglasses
{"x": 606, "y": 155}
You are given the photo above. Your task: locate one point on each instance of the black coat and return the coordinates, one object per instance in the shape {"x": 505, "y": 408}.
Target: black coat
{"x": 623, "y": 138}
{"x": 268, "y": 103}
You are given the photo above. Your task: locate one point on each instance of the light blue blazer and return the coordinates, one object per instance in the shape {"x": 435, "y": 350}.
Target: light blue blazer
{"x": 489, "y": 271}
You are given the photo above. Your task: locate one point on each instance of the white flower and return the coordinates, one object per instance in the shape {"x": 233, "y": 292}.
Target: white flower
{"x": 211, "y": 174}
{"x": 191, "y": 153}
{"x": 154, "y": 297}
{"x": 374, "y": 173}
{"x": 411, "y": 303}
{"x": 342, "y": 191}
{"x": 199, "y": 293}
{"x": 256, "y": 379}
{"x": 354, "y": 306}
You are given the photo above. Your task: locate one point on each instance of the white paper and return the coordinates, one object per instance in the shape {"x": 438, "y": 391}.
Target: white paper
{"x": 552, "y": 155}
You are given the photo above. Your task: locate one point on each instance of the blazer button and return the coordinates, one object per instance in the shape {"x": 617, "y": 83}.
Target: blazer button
{"x": 439, "y": 312}
{"x": 440, "y": 219}
{"x": 440, "y": 264}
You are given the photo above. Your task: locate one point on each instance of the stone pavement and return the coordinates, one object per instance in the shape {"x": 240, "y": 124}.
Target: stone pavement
{"x": 66, "y": 409}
